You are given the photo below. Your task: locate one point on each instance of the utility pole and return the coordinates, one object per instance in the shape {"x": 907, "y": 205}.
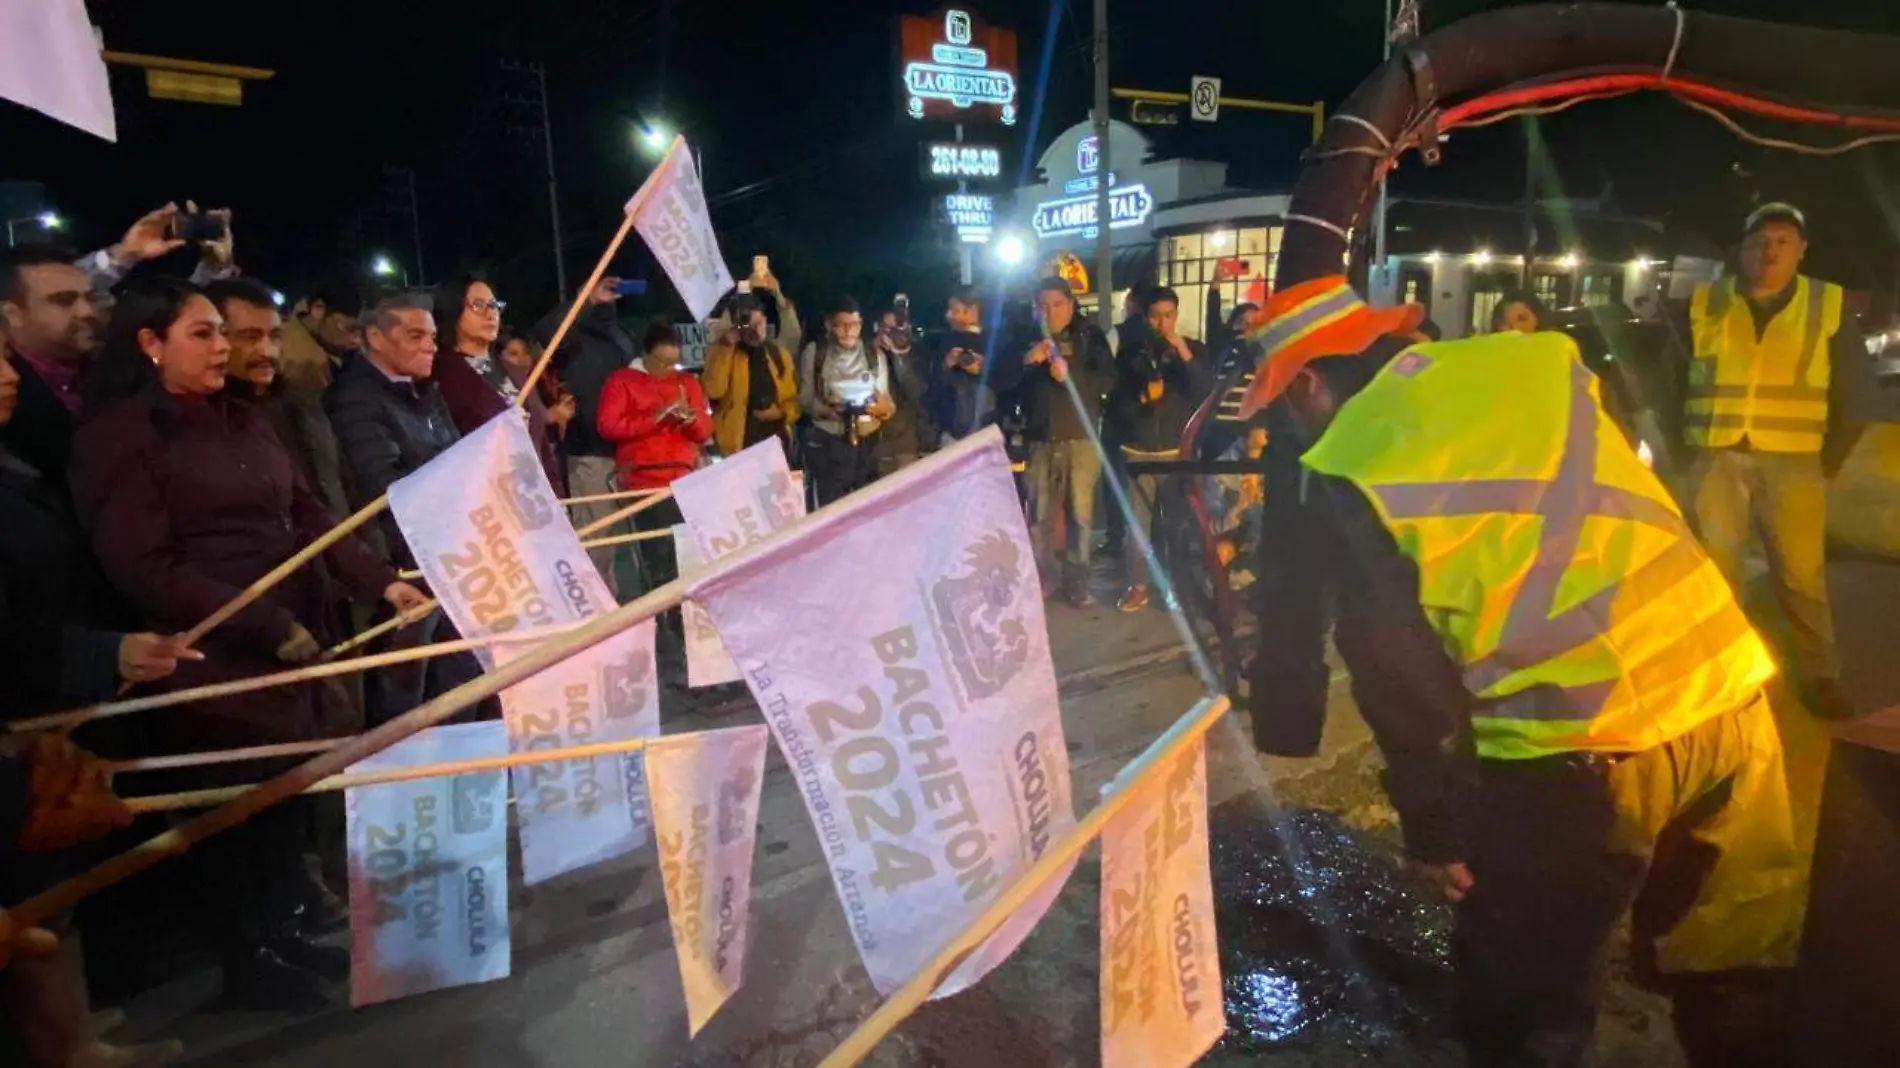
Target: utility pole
{"x": 965, "y": 254}
{"x": 1104, "y": 240}
{"x": 401, "y": 200}
{"x": 540, "y": 100}
{"x": 1405, "y": 29}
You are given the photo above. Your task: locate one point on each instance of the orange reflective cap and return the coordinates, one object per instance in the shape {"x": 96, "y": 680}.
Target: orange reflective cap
{"x": 1323, "y": 317}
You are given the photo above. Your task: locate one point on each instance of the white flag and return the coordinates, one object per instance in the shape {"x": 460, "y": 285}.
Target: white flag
{"x": 50, "y": 62}
{"x": 898, "y": 650}
{"x": 707, "y": 662}
{"x": 1161, "y": 988}
{"x": 492, "y": 539}
{"x": 740, "y": 500}
{"x": 726, "y": 507}
{"x": 705, "y": 790}
{"x": 580, "y": 812}
{"x": 670, "y": 213}
{"x": 429, "y": 869}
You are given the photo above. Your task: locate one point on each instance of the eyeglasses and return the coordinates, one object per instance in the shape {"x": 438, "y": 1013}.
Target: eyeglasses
{"x": 483, "y": 307}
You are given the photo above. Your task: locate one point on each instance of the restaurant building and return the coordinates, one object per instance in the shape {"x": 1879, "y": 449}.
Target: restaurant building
{"x": 1174, "y": 220}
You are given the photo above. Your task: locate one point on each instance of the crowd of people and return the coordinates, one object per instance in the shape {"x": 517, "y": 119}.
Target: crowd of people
{"x": 165, "y": 442}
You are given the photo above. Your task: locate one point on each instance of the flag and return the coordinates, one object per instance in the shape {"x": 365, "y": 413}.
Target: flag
{"x": 896, "y": 644}
{"x": 497, "y": 549}
{"x": 1161, "y": 988}
{"x": 50, "y": 62}
{"x": 429, "y": 869}
{"x": 727, "y": 506}
{"x": 705, "y": 795}
{"x": 492, "y": 539}
{"x": 707, "y": 662}
{"x": 580, "y": 812}
{"x": 740, "y": 500}
{"x": 670, "y": 213}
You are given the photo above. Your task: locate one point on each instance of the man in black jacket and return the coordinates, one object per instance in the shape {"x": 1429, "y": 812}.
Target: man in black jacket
{"x": 1161, "y": 378}
{"x": 389, "y": 421}
{"x": 959, "y": 398}
{"x": 595, "y": 346}
{"x": 1065, "y": 374}
{"x": 255, "y": 375}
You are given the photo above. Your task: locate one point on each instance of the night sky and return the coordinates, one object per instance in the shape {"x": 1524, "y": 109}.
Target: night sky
{"x": 793, "y": 105}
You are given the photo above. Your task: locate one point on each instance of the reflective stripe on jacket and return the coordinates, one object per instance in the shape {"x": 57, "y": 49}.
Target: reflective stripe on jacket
{"x": 1770, "y": 386}
{"x": 1552, "y": 563}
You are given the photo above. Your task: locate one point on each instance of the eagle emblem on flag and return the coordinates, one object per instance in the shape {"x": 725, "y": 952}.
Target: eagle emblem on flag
{"x": 976, "y": 613}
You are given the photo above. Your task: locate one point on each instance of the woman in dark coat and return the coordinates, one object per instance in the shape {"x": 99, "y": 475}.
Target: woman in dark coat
{"x": 188, "y": 498}
{"x": 473, "y": 379}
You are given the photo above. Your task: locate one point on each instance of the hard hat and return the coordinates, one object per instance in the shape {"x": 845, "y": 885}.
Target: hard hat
{"x": 1778, "y": 211}
{"x": 1323, "y": 317}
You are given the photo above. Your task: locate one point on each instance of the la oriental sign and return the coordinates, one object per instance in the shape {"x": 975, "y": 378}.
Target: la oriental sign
{"x": 957, "y": 68}
{"x": 1128, "y": 205}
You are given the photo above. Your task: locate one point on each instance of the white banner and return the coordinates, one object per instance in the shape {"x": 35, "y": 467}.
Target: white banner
{"x": 1161, "y": 988}
{"x": 50, "y": 62}
{"x": 429, "y": 869}
{"x": 670, "y": 213}
{"x": 492, "y": 539}
{"x": 898, "y": 649}
{"x": 705, "y": 790}
{"x": 581, "y": 812}
{"x": 740, "y": 500}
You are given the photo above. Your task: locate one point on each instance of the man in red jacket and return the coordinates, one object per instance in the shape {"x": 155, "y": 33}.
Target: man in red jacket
{"x": 656, "y": 417}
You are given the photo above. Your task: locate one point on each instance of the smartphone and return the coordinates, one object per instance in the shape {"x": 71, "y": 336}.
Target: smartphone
{"x": 197, "y": 226}
{"x": 761, "y": 266}
{"x": 631, "y": 287}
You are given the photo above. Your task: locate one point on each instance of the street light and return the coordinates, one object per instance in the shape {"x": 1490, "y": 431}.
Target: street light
{"x": 1011, "y": 250}
{"x": 384, "y": 267}
{"x": 653, "y": 138}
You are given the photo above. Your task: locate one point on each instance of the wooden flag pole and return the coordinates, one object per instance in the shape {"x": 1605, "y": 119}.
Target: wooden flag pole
{"x": 223, "y": 756}
{"x": 591, "y": 543}
{"x": 914, "y": 993}
{"x": 422, "y": 610}
{"x": 43, "y": 906}
{"x": 580, "y": 299}
{"x": 618, "y": 495}
{"x": 223, "y": 795}
{"x": 78, "y": 716}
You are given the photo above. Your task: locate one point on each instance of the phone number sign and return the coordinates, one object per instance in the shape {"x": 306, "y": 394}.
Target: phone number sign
{"x": 960, "y": 162}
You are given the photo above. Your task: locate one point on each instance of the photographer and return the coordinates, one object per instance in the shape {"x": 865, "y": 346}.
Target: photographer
{"x": 910, "y": 432}
{"x": 960, "y": 401}
{"x": 846, "y": 386}
{"x": 748, "y": 376}
{"x": 1159, "y": 383}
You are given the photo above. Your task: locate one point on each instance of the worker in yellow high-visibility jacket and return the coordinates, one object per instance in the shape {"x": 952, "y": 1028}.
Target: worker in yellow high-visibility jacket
{"x": 1568, "y": 696}
{"x": 1775, "y": 383}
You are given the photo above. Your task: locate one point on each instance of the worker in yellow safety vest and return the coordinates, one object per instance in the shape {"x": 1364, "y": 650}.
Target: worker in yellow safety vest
{"x": 1770, "y": 411}
{"x": 1568, "y": 697}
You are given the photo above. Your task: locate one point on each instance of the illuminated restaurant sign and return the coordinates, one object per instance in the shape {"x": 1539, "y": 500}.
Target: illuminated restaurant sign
{"x": 957, "y": 68}
{"x": 1128, "y": 205}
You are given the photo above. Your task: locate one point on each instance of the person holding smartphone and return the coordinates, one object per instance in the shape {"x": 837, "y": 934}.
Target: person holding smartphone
{"x": 656, "y": 417}
{"x": 960, "y": 400}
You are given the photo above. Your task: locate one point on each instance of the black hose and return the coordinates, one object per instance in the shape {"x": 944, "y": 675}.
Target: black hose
{"x": 1521, "y": 44}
